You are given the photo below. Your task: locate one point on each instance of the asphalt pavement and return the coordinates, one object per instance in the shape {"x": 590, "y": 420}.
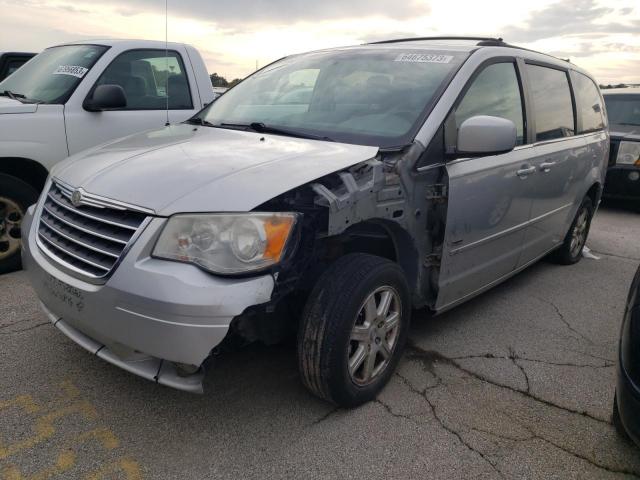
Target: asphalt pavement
{"x": 517, "y": 383}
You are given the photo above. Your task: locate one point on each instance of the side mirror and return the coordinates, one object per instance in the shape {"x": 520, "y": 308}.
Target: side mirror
{"x": 486, "y": 135}
{"x": 106, "y": 97}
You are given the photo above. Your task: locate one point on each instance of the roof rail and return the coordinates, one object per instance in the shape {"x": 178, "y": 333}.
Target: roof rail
{"x": 482, "y": 41}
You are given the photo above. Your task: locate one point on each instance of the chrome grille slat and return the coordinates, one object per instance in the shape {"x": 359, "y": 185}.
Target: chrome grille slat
{"x": 79, "y": 242}
{"x": 88, "y": 238}
{"x": 83, "y": 229}
{"x": 71, "y": 254}
{"x": 64, "y": 203}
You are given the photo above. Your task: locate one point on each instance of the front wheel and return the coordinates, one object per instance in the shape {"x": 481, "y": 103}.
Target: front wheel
{"x": 353, "y": 329}
{"x": 15, "y": 197}
{"x": 570, "y": 251}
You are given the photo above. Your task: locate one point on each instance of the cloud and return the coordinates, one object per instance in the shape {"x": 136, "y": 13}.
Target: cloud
{"x": 567, "y": 18}
{"x": 279, "y": 11}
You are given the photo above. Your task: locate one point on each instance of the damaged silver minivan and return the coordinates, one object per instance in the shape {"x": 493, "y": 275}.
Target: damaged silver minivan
{"x": 328, "y": 194}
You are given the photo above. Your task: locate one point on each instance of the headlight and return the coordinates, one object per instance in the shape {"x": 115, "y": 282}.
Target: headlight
{"x": 227, "y": 243}
{"x": 628, "y": 153}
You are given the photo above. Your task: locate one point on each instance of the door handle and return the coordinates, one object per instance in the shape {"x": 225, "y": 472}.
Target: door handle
{"x": 525, "y": 172}
{"x": 546, "y": 166}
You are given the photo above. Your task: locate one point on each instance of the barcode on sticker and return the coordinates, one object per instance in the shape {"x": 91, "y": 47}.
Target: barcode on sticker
{"x": 423, "y": 58}
{"x": 72, "y": 70}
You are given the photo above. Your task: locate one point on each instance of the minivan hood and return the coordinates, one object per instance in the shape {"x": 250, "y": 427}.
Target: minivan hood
{"x": 625, "y": 132}
{"x": 7, "y": 105}
{"x": 188, "y": 168}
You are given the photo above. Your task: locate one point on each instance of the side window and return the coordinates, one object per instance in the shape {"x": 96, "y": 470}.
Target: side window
{"x": 588, "y": 103}
{"x": 552, "y": 105}
{"x": 496, "y": 92}
{"x": 146, "y": 76}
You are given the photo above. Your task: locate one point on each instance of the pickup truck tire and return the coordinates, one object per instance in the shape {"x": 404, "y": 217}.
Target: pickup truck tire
{"x": 15, "y": 197}
{"x": 571, "y": 250}
{"x": 353, "y": 329}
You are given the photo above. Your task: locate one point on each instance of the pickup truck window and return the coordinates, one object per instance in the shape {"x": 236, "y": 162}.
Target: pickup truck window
{"x": 380, "y": 97}
{"x": 146, "y": 76}
{"x": 53, "y": 75}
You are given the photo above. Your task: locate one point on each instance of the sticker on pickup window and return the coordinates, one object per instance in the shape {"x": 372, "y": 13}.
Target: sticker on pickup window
{"x": 423, "y": 58}
{"x": 72, "y": 70}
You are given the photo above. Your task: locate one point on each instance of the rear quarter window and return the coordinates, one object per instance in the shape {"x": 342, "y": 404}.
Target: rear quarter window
{"x": 588, "y": 103}
{"x": 552, "y": 104}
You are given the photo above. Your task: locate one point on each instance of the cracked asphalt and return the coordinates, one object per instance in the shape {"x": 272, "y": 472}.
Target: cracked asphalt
{"x": 517, "y": 383}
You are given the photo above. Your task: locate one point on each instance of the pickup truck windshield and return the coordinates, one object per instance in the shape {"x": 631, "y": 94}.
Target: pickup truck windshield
{"x": 623, "y": 109}
{"x": 377, "y": 97}
{"x": 53, "y": 75}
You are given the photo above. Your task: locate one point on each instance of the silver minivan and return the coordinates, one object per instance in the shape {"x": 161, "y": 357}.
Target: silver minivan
{"x": 328, "y": 195}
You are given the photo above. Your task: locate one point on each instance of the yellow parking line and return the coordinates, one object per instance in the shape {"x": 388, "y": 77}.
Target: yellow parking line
{"x": 45, "y": 428}
{"x": 125, "y": 465}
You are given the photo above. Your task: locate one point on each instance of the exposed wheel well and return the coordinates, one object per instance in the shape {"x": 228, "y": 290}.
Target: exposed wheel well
{"x": 27, "y": 170}
{"x": 385, "y": 239}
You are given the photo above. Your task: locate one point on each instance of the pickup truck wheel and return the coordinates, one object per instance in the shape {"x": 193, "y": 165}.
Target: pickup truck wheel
{"x": 571, "y": 250}
{"x": 15, "y": 197}
{"x": 353, "y": 329}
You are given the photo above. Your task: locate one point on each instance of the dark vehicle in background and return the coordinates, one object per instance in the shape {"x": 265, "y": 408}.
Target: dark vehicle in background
{"x": 626, "y": 408}
{"x": 12, "y": 61}
{"x": 623, "y": 175}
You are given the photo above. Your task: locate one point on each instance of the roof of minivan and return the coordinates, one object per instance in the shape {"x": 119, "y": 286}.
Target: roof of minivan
{"x": 466, "y": 45}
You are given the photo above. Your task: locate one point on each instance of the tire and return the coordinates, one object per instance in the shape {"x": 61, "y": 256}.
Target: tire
{"x": 336, "y": 311}
{"x": 15, "y": 197}
{"x": 617, "y": 421}
{"x": 568, "y": 253}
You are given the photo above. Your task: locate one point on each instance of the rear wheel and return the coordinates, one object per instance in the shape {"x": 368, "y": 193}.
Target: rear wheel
{"x": 353, "y": 329}
{"x": 15, "y": 197}
{"x": 571, "y": 250}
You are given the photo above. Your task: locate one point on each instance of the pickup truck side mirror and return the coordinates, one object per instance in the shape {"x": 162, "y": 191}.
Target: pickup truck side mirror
{"x": 106, "y": 97}
{"x": 485, "y": 135}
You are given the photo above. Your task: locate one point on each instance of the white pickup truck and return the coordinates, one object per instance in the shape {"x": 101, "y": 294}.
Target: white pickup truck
{"x": 74, "y": 96}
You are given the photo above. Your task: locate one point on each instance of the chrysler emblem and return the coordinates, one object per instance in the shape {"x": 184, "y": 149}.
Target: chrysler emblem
{"x": 76, "y": 198}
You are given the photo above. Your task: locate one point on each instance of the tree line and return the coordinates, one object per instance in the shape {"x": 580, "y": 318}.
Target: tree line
{"x": 220, "y": 81}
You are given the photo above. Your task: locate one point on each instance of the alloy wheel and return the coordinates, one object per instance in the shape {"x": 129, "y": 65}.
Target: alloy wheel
{"x": 11, "y": 216}
{"x": 579, "y": 234}
{"x": 374, "y": 335}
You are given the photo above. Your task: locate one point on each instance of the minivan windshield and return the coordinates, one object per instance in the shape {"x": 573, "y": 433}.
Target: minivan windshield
{"x": 365, "y": 96}
{"x": 53, "y": 75}
{"x": 623, "y": 109}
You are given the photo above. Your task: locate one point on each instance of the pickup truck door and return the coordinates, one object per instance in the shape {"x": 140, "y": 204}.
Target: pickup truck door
{"x": 145, "y": 75}
{"x": 488, "y": 205}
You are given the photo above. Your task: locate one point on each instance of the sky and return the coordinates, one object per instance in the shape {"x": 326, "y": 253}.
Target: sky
{"x": 235, "y": 35}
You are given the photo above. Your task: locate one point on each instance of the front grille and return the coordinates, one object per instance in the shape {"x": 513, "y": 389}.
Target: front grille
{"x": 89, "y": 237}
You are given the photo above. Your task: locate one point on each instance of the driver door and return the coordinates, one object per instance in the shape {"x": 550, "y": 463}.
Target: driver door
{"x": 488, "y": 206}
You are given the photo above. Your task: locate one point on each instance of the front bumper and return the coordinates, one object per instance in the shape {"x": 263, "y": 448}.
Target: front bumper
{"x": 621, "y": 182}
{"x": 150, "y": 313}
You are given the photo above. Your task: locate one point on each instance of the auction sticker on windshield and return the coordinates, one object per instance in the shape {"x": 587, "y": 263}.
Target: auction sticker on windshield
{"x": 423, "y": 58}
{"x": 72, "y": 70}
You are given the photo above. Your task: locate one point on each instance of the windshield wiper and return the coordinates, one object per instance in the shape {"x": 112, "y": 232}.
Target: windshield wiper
{"x": 19, "y": 97}
{"x": 199, "y": 121}
{"x": 262, "y": 128}
{"x": 13, "y": 96}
